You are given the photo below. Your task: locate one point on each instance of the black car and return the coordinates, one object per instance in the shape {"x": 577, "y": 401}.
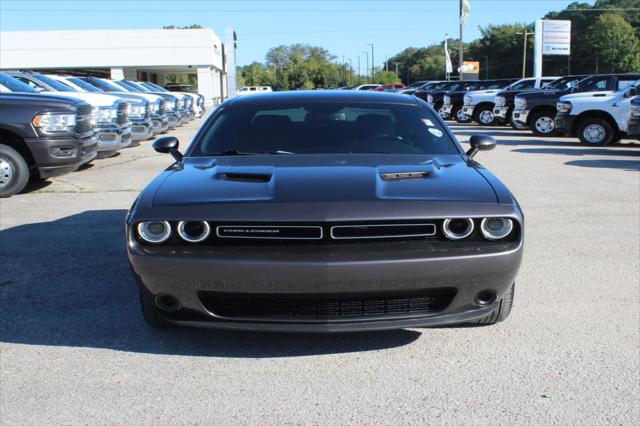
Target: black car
{"x": 41, "y": 136}
{"x": 536, "y": 110}
{"x": 325, "y": 211}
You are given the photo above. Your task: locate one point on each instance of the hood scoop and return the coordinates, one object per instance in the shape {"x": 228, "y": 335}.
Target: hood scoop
{"x": 246, "y": 177}
{"x": 404, "y": 175}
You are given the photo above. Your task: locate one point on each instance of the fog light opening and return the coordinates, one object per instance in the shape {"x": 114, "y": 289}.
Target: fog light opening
{"x": 194, "y": 231}
{"x": 167, "y": 303}
{"x": 486, "y": 297}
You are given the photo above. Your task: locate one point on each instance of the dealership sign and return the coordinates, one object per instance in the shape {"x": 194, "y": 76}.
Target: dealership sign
{"x": 556, "y": 37}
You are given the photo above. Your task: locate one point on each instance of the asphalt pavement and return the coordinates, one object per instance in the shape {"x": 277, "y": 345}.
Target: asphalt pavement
{"x": 74, "y": 347}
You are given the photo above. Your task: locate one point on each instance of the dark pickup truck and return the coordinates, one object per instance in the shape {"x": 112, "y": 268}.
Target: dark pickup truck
{"x": 503, "y": 108}
{"x": 453, "y": 100}
{"x": 42, "y": 136}
{"x": 536, "y": 110}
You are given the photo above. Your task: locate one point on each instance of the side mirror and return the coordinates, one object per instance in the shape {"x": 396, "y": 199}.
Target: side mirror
{"x": 480, "y": 143}
{"x": 168, "y": 145}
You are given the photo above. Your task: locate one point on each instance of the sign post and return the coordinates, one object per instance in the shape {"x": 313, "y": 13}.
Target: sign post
{"x": 552, "y": 38}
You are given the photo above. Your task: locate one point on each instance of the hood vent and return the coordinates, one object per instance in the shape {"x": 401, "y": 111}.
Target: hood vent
{"x": 404, "y": 175}
{"x": 247, "y": 177}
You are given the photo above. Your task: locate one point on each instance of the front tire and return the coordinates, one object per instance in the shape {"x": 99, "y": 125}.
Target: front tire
{"x": 596, "y": 132}
{"x": 484, "y": 115}
{"x": 460, "y": 116}
{"x": 14, "y": 171}
{"x": 543, "y": 124}
{"x": 502, "y": 311}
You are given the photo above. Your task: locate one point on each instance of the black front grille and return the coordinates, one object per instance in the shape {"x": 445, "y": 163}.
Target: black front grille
{"x": 147, "y": 111}
{"x": 162, "y": 108}
{"x": 358, "y": 232}
{"x": 84, "y": 122}
{"x": 325, "y": 307}
{"x": 122, "y": 117}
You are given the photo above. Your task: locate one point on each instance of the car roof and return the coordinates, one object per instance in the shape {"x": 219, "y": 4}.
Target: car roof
{"x": 303, "y": 96}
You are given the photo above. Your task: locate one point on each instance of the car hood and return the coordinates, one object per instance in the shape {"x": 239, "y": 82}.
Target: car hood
{"x": 591, "y": 96}
{"x": 321, "y": 178}
{"x": 95, "y": 99}
{"x": 148, "y": 96}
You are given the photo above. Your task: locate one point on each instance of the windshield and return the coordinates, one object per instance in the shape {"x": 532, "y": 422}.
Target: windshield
{"x": 84, "y": 85}
{"x": 154, "y": 86}
{"x": 325, "y": 128}
{"x": 521, "y": 85}
{"x": 418, "y": 84}
{"x": 135, "y": 86}
{"x": 60, "y": 87}
{"x": 106, "y": 85}
{"x": 496, "y": 85}
{"x": 563, "y": 83}
{"x": 15, "y": 85}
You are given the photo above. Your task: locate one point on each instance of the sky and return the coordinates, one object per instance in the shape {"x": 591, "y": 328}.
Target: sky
{"x": 344, "y": 27}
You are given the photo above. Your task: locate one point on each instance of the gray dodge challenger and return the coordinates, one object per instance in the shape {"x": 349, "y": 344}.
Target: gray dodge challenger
{"x": 325, "y": 211}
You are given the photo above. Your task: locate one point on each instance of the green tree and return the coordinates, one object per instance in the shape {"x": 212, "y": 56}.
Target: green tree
{"x": 616, "y": 42}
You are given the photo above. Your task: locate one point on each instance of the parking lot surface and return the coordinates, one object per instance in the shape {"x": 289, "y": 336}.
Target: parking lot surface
{"x": 74, "y": 347}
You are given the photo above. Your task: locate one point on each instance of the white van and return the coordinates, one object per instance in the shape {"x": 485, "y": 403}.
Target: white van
{"x": 250, "y": 90}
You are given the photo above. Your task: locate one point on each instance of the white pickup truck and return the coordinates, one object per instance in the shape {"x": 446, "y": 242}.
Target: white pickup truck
{"x": 597, "y": 118}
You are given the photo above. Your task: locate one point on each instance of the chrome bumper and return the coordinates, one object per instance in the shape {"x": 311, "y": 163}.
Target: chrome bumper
{"x": 445, "y": 111}
{"x": 141, "y": 130}
{"x": 113, "y": 138}
{"x": 500, "y": 113}
{"x": 520, "y": 117}
{"x": 468, "y": 110}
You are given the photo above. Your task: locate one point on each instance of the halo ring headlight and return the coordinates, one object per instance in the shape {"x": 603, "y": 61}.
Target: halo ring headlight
{"x": 186, "y": 235}
{"x": 155, "y": 231}
{"x": 496, "y": 228}
{"x": 457, "y": 229}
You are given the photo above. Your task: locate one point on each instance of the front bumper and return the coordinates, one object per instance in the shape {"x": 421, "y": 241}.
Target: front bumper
{"x": 160, "y": 124}
{"x": 173, "y": 120}
{"x": 141, "y": 130}
{"x": 112, "y": 138}
{"x": 520, "y": 117}
{"x": 81, "y": 151}
{"x": 320, "y": 271}
{"x": 468, "y": 110}
{"x": 501, "y": 114}
{"x": 564, "y": 124}
{"x": 445, "y": 111}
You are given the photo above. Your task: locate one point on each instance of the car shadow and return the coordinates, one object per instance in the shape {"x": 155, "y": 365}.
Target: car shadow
{"x": 628, "y": 165}
{"x": 67, "y": 283}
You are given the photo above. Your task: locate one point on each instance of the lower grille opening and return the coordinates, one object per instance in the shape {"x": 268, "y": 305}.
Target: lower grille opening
{"x": 316, "y": 307}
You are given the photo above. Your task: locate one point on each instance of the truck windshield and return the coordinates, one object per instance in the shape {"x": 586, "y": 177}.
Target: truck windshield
{"x": 60, "y": 87}
{"x": 137, "y": 87}
{"x": 325, "y": 128}
{"x": 84, "y": 85}
{"x": 15, "y": 85}
{"x": 107, "y": 86}
{"x": 154, "y": 86}
{"x": 563, "y": 83}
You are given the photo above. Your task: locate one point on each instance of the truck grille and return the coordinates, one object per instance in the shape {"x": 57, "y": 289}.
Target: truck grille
{"x": 121, "y": 115}
{"x": 318, "y": 307}
{"x": 162, "y": 107}
{"x": 84, "y": 122}
{"x": 147, "y": 112}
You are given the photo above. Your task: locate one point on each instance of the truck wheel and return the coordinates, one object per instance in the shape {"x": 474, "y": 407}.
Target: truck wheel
{"x": 14, "y": 171}
{"x": 595, "y": 132}
{"x": 502, "y": 311}
{"x": 150, "y": 312}
{"x": 460, "y": 116}
{"x": 543, "y": 124}
{"x": 484, "y": 115}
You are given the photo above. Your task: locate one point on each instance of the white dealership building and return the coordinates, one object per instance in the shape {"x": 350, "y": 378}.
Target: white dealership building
{"x": 131, "y": 54}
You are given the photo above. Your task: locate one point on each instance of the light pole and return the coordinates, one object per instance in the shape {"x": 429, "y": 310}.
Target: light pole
{"x": 397, "y": 69}
{"x": 366, "y": 70}
{"x": 358, "y": 70}
{"x": 526, "y": 34}
{"x": 373, "y": 75}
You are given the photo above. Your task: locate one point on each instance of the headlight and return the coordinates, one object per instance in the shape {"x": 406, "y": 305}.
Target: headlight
{"x": 500, "y": 100}
{"x": 457, "y": 229}
{"x": 564, "y": 107}
{"x": 447, "y": 100}
{"x": 51, "y": 123}
{"x": 194, "y": 231}
{"x": 154, "y": 232}
{"x": 102, "y": 115}
{"x": 496, "y": 228}
{"x": 520, "y": 103}
{"x": 635, "y": 111}
{"x": 467, "y": 100}
{"x": 155, "y": 107}
{"x": 171, "y": 105}
{"x": 430, "y": 99}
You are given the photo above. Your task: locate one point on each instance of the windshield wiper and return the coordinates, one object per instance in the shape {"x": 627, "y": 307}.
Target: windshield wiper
{"x": 237, "y": 152}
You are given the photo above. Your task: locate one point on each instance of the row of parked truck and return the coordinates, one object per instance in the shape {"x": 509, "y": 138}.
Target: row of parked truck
{"x": 54, "y": 124}
{"x": 598, "y": 109}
